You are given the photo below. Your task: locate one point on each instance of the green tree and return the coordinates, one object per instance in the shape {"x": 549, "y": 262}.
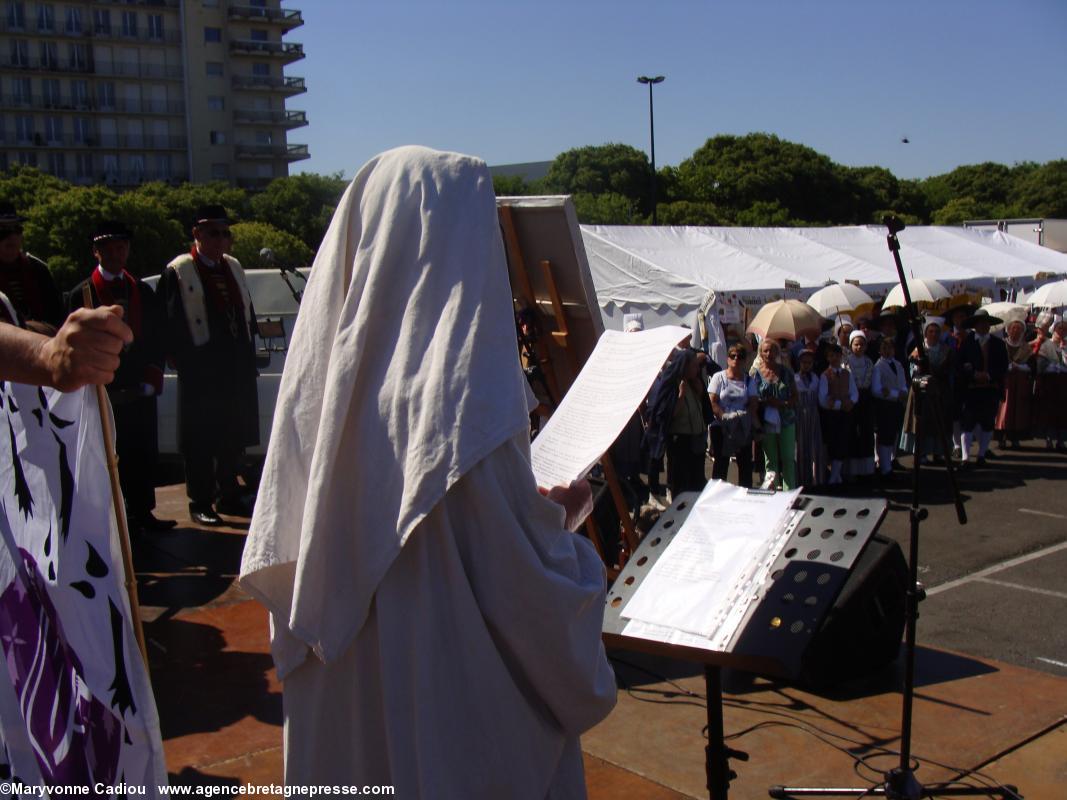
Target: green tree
{"x": 764, "y": 214}
{"x": 181, "y": 202}
{"x": 737, "y": 172}
{"x": 959, "y": 209}
{"x": 25, "y": 187}
{"x": 1042, "y": 191}
{"x": 616, "y": 169}
{"x": 607, "y": 208}
{"x": 988, "y": 185}
{"x": 60, "y": 231}
{"x": 249, "y": 238}
{"x": 686, "y": 212}
{"x": 511, "y": 186}
{"x": 300, "y": 204}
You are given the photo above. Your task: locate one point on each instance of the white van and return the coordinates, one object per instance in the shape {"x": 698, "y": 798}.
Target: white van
{"x": 276, "y": 310}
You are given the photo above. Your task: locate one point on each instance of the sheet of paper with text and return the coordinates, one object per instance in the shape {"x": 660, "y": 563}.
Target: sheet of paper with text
{"x": 608, "y": 390}
{"x": 694, "y": 584}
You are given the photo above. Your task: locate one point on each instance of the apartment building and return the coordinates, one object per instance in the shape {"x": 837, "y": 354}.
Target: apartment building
{"x": 121, "y": 92}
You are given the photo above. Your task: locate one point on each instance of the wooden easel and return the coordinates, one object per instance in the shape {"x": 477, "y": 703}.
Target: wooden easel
{"x": 524, "y": 298}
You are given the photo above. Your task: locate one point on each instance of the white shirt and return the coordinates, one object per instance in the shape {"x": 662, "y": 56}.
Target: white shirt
{"x": 886, "y": 378}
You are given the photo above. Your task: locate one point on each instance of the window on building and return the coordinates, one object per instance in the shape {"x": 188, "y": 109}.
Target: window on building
{"x": 258, "y": 3}
{"x": 136, "y": 162}
{"x": 155, "y": 26}
{"x": 23, "y": 91}
{"x": 83, "y": 165}
{"x": 3, "y": 160}
{"x": 16, "y": 16}
{"x": 210, "y": 3}
{"x": 212, "y": 35}
{"x": 111, "y": 168}
{"x": 50, "y": 93}
{"x": 20, "y": 53}
{"x": 213, "y": 68}
{"x": 102, "y": 20}
{"x": 217, "y": 137}
{"x": 261, "y": 69}
{"x": 81, "y": 130}
{"x": 105, "y": 94}
{"x": 258, "y": 35}
{"x": 79, "y": 94}
{"x": 77, "y": 56}
{"x": 74, "y": 20}
{"x": 163, "y": 167}
{"x": 27, "y": 159}
{"x": 53, "y": 130}
{"x": 220, "y": 172}
{"x": 216, "y": 103}
{"x": 264, "y": 137}
{"x": 46, "y": 18}
{"x": 24, "y": 129}
{"x": 49, "y": 55}
{"x": 129, "y": 23}
{"x": 57, "y": 164}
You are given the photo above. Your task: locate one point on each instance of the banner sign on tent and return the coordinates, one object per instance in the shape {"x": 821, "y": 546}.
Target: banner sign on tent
{"x": 76, "y": 706}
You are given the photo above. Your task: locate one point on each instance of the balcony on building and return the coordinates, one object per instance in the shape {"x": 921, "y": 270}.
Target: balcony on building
{"x": 287, "y": 18}
{"x": 287, "y": 152}
{"x": 282, "y": 117}
{"x": 94, "y": 141}
{"x": 287, "y": 52}
{"x": 94, "y": 104}
{"x": 134, "y": 69}
{"x": 286, "y": 85}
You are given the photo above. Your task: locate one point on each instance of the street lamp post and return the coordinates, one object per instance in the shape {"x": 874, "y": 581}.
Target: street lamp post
{"x": 652, "y": 135}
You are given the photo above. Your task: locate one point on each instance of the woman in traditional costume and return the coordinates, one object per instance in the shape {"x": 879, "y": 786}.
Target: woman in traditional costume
{"x": 1013, "y": 417}
{"x": 1050, "y": 393}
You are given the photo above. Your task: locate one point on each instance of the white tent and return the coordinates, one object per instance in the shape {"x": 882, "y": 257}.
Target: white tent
{"x": 666, "y": 272}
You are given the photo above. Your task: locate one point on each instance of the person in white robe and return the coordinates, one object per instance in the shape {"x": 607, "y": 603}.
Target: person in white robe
{"x": 435, "y": 625}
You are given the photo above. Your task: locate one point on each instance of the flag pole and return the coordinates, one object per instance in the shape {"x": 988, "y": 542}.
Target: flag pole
{"x": 118, "y": 504}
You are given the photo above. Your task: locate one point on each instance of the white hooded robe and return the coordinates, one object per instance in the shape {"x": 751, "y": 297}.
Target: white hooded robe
{"x": 435, "y": 627}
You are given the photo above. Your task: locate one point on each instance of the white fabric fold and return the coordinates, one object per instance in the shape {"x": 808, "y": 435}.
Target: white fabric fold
{"x": 402, "y": 374}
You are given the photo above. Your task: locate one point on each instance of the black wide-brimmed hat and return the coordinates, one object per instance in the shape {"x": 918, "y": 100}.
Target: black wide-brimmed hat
{"x": 981, "y": 315}
{"x": 206, "y": 215}
{"x": 9, "y": 216}
{"x": 109, "y": 230}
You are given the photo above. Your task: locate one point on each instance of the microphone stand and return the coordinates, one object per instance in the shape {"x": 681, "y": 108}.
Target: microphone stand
{"x": 268, "y": 256}
{"x": 900, "y": 782}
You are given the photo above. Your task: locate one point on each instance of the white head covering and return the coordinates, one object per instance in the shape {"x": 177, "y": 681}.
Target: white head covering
{"x": 938, "y": 321}
{"x": 856, "y": 334}
{"x": 402, "y": 374}
{"x": 841, "y": 321}
{"x": 633, "y": 323}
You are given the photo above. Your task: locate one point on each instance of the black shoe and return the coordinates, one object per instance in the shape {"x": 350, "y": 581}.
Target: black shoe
{"x": 233, "y": 507}
{"x": 203, "y": 514}
{"x": 149, "y": 523}
{"x": 980, "y": 461}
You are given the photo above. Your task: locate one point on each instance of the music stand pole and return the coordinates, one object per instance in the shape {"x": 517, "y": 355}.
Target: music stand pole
{"x": 900, "y": 782}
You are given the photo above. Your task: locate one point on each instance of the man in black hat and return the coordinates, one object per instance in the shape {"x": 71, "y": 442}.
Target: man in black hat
{"x": 210, "y": 329}
{"x": 25, "y": 279}
{"x": 981, "y": 365}
{"x": 139, "y": 378}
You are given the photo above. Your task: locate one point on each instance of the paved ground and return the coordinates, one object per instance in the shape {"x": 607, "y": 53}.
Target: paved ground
{"x": 997, "y": 701}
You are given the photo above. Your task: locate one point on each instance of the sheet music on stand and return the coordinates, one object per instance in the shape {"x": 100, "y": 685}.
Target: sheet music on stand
{"x": 770, "y": 607}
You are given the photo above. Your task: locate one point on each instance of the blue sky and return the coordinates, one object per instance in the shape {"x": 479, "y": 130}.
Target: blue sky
{"x": 523, "y": 80}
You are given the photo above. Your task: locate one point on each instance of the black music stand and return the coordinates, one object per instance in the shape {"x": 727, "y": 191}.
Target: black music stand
{"x": 806, "y": 569}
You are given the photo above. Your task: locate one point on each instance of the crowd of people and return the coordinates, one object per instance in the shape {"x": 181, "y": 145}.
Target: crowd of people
{"x": 199, "y": 319}
{"x": 840, "y": 407}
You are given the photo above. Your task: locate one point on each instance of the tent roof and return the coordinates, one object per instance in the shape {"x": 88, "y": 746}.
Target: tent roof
{"x": 676, "y": 266}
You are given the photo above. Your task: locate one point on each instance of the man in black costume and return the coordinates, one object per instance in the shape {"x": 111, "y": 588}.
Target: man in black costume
{"x": 210, "y": 329}
{"x": 981, "y": 365}
{"x": 26, "y": 280}
{"x": 139, "y": 378}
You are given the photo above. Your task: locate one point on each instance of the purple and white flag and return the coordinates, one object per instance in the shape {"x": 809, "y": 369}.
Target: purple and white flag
{"x": 76, "y": 705}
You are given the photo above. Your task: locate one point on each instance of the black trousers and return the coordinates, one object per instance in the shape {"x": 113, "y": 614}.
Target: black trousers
{"x": 685, "y": 463}
{"x": 211, "y": 472}
{"x": 137, "y": 449}
{"x": 721, "y": 467}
